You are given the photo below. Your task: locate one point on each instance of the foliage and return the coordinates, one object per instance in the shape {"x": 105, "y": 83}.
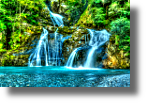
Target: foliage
{"x": 74, "y": 9}
{"x": 13, "y": 13}
{"x": 98, "y": 16}
{"x": 116, "y": 11}
{"x": 121, "y": 28}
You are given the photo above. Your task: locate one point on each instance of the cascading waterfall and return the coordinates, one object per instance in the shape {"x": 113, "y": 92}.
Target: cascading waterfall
{"x": 71, "y": 57}
{"x": 48, "y": 51}
{"x": 98, "y": 38}
{"x": 89, "y": 61}
{"x": 40, "y": 51}
{"x": 56, "y": 18}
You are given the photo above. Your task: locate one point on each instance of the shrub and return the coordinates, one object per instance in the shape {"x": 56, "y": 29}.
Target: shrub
{"x": 121, "y": 29}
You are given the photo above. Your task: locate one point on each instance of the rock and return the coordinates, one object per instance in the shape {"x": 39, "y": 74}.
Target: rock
{"x": 116, "y": 58}
{"x": 80, "y": 38}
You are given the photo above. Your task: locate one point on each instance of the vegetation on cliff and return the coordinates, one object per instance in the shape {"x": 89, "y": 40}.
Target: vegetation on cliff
{"x": 17, "y": 18}
{"x": 21, "y": 22}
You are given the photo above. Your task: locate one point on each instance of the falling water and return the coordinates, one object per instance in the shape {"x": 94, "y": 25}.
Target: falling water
{"x": 98, "y": 38}
{"x": 71, "y": 57}
{"x": 89, "y": 61}
{"x": 48, "y": 51}
{"x": 56, "y": 18}
{"x": 40, "y": 51}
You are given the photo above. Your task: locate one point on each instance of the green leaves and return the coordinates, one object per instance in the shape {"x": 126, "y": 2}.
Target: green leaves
{"x": 97, "y": 1}
{"x": 120, "y": 26}
{"x": 98, "y": 16}
{"x": 2, "y": 25}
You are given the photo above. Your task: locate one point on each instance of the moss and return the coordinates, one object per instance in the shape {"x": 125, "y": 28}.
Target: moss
{"x": 9, "y": 59}
{"x": 66, "y": 30}
{"x": 85, "y": 19}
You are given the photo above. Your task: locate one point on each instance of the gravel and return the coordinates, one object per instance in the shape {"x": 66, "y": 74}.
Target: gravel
{"x": 116, "y": 81}
{"x": 64, "y": 80}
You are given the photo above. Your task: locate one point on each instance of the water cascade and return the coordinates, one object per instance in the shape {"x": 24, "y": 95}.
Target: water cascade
{"x": 98, "y": 38}
{"x": 47, "y": 52}
{"x": 56, "y": 18}
{"x": 40, "y": 51}
{"x": 71, "y": 57}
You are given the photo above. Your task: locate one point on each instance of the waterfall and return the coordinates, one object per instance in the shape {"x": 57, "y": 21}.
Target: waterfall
{"x": 89, "y": 61}
{"x": 40, "y": 51}
{"x": 48, "y": 52}
{"x": 56, "y": 18}
{"x": 71, "y": 57}
{"x": 98, "y": 38}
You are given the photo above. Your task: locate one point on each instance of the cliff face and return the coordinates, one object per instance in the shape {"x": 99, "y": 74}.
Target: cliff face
{"x": 26, "y": 28}
{"x": 79, "y": 38}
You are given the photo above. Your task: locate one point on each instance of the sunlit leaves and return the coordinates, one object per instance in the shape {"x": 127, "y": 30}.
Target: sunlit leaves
{"x": 98, "y": 15}
{"x": 127, "y": 5}
{"x": 113, "y": 8}
{"x": 2, "y": 25}
{"x": 97, "y": 1}
{"x": 105, "y": 1}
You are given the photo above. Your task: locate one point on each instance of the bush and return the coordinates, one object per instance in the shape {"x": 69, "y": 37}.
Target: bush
{"x": 98, "y": 16}
{"x": 120, "y": 26}
{"x": 121, "y": 29}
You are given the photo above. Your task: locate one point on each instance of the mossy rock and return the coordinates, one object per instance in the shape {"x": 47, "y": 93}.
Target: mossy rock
{"x": 116, "y": 59}
{"x": 10, "y": 59}
{"x": 66, "y": 30}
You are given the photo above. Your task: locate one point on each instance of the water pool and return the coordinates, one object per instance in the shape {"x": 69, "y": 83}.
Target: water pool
{"x": 60, "y": 76}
